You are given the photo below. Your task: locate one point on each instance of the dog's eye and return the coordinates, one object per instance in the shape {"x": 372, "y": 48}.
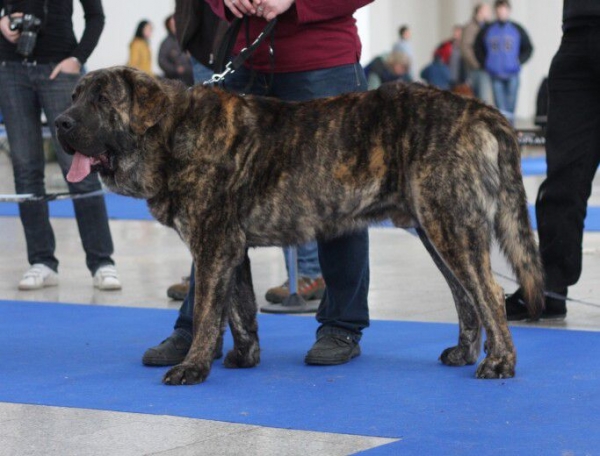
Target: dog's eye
{"x": 103, "y": 99}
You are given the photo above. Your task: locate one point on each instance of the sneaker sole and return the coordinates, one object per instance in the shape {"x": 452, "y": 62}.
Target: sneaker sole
{"x": 161, "y": 362}
{"x": 38, "y": 287}
{"x": 542, "y": 317}
{"x": 108, "y": 287}
{"x": 153, "y": 362}
{"x": 554, "y": 317}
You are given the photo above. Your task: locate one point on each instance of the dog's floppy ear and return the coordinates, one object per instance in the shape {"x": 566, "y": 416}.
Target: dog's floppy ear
{"x": 149, "y": 101}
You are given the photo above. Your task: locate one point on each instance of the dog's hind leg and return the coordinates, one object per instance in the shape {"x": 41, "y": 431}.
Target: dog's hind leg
{"x": 242, "y": 319}
{"x": 464, "y": 246}
{"x": 469, "y": 338}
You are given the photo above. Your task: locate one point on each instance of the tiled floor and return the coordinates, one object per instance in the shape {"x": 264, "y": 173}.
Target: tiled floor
{"x": 405, "y": 285}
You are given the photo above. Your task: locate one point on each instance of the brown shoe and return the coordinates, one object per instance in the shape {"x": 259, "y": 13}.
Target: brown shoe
{"x": 180, "y": 290}
{"x": 308, "y": 288}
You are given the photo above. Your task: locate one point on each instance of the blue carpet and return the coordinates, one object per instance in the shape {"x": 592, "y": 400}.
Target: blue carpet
{"x": 118, "y": 207}
{"x": 89, "y": 357}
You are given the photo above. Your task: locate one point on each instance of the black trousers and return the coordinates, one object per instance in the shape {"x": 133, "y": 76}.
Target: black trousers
{"x": 572, "y": 154}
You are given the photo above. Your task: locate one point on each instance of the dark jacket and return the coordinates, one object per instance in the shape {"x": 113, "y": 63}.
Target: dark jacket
{"x": 577, "y": 13}
{"x": 437, "y": 74}
{"x": 378, "y": 73}
{"x": 171, "y": 59}
{"x": 56, "y": 39}
{"x": 199, "y": 30}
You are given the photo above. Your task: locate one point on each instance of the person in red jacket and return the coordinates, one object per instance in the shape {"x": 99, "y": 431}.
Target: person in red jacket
{"x": 316, "y": 54}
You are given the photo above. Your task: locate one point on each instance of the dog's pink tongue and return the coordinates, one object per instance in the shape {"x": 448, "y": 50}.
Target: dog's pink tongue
{"x": 80, "y": 168}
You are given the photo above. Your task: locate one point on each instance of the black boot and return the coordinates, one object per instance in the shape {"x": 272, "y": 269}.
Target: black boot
{"x": 173, "y": 350}
{"x": 554, "y": 309}
{"x": 333, "y": 346}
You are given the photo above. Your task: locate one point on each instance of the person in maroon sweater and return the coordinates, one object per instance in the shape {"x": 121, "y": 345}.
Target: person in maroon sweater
{"x": 316, "y": 54}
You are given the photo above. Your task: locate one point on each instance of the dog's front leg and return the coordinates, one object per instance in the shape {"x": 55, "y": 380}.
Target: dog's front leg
{"x": 216, "y": 261}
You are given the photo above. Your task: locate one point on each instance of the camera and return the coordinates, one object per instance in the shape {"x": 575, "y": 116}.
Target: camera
{"x": 29, "y": 25}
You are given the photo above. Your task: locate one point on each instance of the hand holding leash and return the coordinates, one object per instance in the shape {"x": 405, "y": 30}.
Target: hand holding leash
{"x": 239, "y": 8}
{"x": 270, "y": 9}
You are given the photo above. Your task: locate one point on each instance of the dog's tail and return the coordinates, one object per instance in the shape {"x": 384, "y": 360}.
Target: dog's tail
{"x": 512, "y": 224}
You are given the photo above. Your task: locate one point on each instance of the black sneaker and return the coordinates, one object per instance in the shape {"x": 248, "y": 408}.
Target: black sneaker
{"x": 333, "y": 346}
{"x": 554, "y": 309}
{"x": 173, "y": 350}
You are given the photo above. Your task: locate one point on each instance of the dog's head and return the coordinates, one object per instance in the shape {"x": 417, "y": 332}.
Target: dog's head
{"x": 112, "y": 110}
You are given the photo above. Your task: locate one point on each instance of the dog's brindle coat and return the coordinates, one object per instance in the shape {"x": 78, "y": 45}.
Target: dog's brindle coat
{"x": 231, "y": 172}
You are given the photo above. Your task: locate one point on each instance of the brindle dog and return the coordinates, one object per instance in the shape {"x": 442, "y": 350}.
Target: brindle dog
{"x": 230, "y": 172}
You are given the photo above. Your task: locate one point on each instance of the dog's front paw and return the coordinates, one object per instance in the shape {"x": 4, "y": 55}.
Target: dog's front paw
{"x": 246, "y": 358}
{"x": 185, "y": 374}
{"x": 459, "y": 356}
{"x": 496, "y": 368}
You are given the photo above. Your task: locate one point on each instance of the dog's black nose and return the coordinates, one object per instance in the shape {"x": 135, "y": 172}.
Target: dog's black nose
{"x": 64, "y": 123}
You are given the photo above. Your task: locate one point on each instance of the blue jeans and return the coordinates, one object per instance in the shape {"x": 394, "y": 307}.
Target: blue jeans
{"x": 479, "y": 80}
{"x": 201, "y": 72}
{"x": 505, "y": 95}
{"x": 344, "y": 261}
{"x": 25, "y": 89}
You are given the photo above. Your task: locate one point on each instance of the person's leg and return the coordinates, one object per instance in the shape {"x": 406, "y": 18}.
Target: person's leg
{"x": 512, "y": 91}
{"x": 184, "y": 322}
{"x": 473, "y": 81}
{"x": 91, "y": 215}
{"x": 344, "y": 311}
{"x": 572, "y": 155}
{"x": 21, "y": 109}
{"x": 485, "y": 86}
{"x": 174, "y": 348}
{"x": 308, "y": 260}
{"x": 498, "y": 92}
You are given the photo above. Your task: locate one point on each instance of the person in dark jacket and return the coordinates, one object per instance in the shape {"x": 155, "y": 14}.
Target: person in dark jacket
{"x": 388, "y": 68}
{"x": 437, "y": 73}
{"x": 199, "y": 32}
{"x": 502, "y": 47}
{"x": 44, "y": 79}
{"x": 171, "y": 59}
{"x": 572, "y": 155}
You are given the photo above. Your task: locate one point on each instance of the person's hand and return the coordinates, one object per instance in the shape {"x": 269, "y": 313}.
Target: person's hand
{"x": 270, "y": 9}
{"x": 10, "y": 35}
{"x": 239, "y": 8}
{"x": 70, "y": 65}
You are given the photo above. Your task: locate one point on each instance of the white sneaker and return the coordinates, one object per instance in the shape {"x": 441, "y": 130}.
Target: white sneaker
{"x": 38, "y": 276}
{"x": 106, "y": 278}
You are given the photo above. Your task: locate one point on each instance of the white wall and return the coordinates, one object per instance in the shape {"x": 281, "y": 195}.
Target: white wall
{"x": 122, "y": 17}
{"x": 431, "y": 22}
